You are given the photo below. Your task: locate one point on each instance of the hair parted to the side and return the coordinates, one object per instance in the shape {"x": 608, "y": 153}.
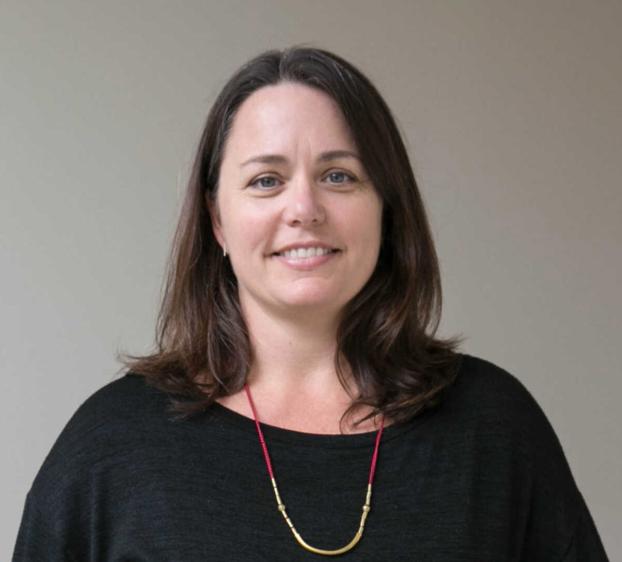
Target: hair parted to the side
{"x": 387, "y": 333}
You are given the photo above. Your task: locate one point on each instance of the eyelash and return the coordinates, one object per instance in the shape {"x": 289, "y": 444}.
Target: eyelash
{"x": 349, "y": 179}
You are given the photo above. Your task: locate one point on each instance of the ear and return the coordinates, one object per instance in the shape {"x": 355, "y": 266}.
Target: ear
{"x": 212, "y": 208}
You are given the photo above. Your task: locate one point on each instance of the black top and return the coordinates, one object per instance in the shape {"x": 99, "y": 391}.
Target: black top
{"x": 480, "y": 478}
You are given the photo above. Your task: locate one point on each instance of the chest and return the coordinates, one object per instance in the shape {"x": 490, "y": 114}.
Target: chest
{"x": 431, "y": 501}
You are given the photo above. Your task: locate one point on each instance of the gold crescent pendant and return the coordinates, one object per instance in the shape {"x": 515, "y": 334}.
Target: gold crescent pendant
{"x": 324, "y": 552}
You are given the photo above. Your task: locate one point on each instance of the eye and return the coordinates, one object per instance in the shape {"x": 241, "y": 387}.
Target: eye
{"x": 264, "y": 182}
{"x": 339, "y": 178}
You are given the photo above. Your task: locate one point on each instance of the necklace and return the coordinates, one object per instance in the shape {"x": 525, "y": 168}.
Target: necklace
{"x": 281, "y": 505}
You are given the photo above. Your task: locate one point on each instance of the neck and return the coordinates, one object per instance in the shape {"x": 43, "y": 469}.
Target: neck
{"x": 292, "y": 353}
{"x": 293, "y": 376}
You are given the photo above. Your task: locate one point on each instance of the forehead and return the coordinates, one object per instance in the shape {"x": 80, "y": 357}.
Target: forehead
{"x": 281, "y": 116}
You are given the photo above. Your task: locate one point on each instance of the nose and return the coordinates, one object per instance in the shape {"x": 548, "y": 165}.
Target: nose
{"x": 303, "y": 206}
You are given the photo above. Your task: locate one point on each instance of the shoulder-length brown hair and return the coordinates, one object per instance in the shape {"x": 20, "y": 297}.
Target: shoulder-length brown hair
{"x": 387, "y": 333}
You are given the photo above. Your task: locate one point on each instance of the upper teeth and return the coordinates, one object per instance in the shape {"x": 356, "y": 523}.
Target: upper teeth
{"x": 305, "y": 252}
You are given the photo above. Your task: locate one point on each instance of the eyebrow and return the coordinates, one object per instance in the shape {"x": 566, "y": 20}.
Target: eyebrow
{"x": 280, "y": 159}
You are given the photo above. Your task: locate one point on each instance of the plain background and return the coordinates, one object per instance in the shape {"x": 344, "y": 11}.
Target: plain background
{"x": 512, "y": 113}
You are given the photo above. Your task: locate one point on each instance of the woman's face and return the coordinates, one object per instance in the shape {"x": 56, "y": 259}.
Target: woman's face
{"x": 299, "y": 219}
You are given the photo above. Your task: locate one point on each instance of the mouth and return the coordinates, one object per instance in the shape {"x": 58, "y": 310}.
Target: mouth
{"x": 305, "y": 253}
{"x": 306, "y": 259}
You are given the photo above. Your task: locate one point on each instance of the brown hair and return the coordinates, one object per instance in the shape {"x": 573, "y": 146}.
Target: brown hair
{"x": 387, "y": 332}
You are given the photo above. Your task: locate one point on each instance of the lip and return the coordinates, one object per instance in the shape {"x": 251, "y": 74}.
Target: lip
{"x": 307, "y": 244}
{"x": 306, "y": 264}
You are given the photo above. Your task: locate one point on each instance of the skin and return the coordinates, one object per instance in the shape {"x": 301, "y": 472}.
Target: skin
{"x": 291, "y": 313}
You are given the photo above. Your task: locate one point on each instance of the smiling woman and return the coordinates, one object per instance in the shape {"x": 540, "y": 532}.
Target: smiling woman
{"x": 297, "y": 340}
{"x": 273, "y": 232}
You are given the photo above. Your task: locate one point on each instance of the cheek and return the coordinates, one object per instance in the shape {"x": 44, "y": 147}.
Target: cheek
{"x": 248, "y": 230}
{"x": 367, "y": 228}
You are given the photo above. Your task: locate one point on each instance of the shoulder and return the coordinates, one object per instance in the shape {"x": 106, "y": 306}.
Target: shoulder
{"x": 497, "y": 414}
{"x": 502, "y": 421}
{"x": 121, "y": 439}
{"x": 126, "y": 403}
{"x": 111, "y": 423}
{"x": 479, "y": 378}
{"x": 485, "y": 391}
{"x": 488, "y": 403}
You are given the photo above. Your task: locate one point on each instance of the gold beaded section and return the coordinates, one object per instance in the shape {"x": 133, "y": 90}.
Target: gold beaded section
{"x": 306, "y": 546}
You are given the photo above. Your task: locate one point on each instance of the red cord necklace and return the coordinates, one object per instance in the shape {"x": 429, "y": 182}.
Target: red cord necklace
{"x": 281, "y": 505}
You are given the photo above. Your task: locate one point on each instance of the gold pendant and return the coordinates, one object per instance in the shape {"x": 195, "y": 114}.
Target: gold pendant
{"x": 305, "y": 545}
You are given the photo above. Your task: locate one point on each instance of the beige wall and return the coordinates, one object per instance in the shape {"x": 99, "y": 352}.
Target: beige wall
{"x": 513, "y": 115}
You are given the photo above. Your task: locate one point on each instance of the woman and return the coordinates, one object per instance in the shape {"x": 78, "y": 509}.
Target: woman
{"x": 297, "y": 365}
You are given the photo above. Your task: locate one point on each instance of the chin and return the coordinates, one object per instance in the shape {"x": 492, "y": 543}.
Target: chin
{"x": 313, "y": 300}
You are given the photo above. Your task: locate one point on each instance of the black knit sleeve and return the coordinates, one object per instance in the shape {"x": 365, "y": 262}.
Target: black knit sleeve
{"x": 554, "y": 522}
{"x": 36, "y": 540}
{"x": 585, "y": 545}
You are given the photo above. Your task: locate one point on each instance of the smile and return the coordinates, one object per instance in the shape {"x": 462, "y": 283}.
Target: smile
{"x": 303, "y": 253}
{"x": 306, "y": 259}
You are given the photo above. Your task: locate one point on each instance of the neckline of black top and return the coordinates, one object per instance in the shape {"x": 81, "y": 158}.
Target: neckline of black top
{"x": 291, "y": 437}
{"x": 274, "y": 433}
